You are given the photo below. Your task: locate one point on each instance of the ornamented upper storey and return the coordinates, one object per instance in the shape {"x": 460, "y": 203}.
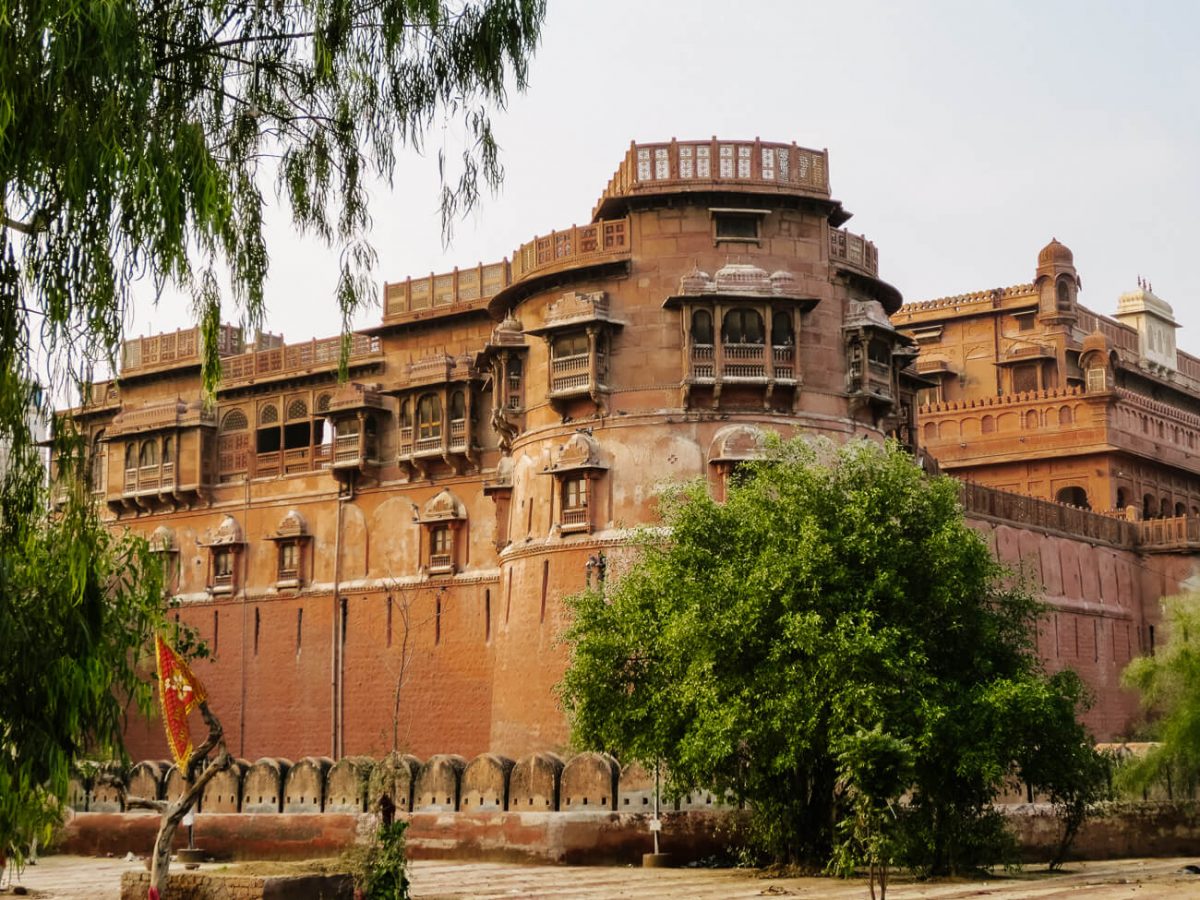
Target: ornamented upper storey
{"x": 743, "y": 166}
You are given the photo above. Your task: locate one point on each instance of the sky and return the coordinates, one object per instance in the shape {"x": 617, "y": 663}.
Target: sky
{"x": 962, "y": 135}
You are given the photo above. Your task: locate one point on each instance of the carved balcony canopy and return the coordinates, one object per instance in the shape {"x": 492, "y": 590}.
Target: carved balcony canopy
{"x": 735, "y": 444}
{"x": 580, "y": 454}
{"x": 168, "y": 415}
{"x": 354, "y": 397}
{"x": 226, "y": 534}
{"x": 576, "y": 309}
{"x": 740, "y": 281}
{"x": 291, "y": 527}
{"x": 443, "y": 506}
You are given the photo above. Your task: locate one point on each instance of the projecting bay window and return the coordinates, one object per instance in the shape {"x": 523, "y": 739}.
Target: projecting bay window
{"x": 436, "y": 424}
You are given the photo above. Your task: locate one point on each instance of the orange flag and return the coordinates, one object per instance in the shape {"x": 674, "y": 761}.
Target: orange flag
{"x": 179, "y": 692}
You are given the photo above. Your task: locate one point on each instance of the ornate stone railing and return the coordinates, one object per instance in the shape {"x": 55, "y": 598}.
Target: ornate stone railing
{"x": 1176, "y": 533}
{"x": 460, "y": 286}
{"x": 174, "y": 348}
{"x": 578, "y": 245}
{"x": 692, "y": 165}
{"x": 295, "y": 359}
{"x": 1019, "y": 509}
{"x": 1122, "y": 336}
{"x": 853, "y": 251}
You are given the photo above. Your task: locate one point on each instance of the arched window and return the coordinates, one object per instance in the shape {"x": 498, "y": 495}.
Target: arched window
{"x": 1180, "y": 509}
{"x": 97, "y": 462}
{"x": 1064, "y": 294}
{"x": 297, "y": 409}
{"x": 1165, "y": 507}
{"x": 268, "y": 415}
{"x": 702, "y": 327}
{"x": 1074, "y": 496}
{"x": 1031, "y": 419}
{"x": 429, "y": 416}
{"x": 458, "y": 406}
{"x": 323, "y": 403}
{"x": 1148, "y": 506}
{"x": 742, "y": 326}
{"x": 130, "y": 457}
{"x": 148, "y": 456}
{"x": 405, "y": 414}
{"x": 235, "y": 420}
{"x": 1122, "y": 498}
{"x": 782, "y": 334}
{"x": 1064, "y": 415}
{"x": 168, "y": 451}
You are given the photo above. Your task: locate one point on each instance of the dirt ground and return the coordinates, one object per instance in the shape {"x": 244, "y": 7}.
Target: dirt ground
{"x": 81, "y": 878}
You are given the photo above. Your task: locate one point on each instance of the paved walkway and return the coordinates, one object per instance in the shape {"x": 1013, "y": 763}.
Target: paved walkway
{"x": 79, "y": 878}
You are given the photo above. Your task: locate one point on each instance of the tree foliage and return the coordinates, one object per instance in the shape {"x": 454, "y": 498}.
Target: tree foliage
{"x": 137, "y": 141}
{"x": 77, "y": 607}
{"x": 832, "y": 630}
{"x": 133, "y": 138}
{"x": 1169, "y": 683}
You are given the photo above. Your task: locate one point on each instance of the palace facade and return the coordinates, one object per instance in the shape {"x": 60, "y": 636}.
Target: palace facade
{"x": 380, "y": 563}
{"x": 1034, "y": 393}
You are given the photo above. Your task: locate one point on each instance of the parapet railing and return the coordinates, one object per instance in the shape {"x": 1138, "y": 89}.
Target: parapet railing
{"x": 1122, "y": 336}
{"x": 853, "y": 251}
{"x": 290, "y": 358}
{"x": 173, "y": 348}
{"x": 574, "y": 246}
{"x": 1034, "y": 512}
{"x": 649, "y": 168}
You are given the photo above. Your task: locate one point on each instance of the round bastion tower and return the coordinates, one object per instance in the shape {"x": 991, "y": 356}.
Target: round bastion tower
{"x": 713, "y": 298}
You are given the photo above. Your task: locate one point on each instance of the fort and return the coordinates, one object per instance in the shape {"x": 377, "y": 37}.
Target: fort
{"x": 378, "y": 564}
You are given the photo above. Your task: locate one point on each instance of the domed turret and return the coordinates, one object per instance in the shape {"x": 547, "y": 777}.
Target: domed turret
{"x": 1055, "y": 253}
{"x": 1058, "y": 282}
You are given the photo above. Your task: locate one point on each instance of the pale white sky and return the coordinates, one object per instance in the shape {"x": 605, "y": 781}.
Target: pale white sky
{"x": 963, "y": 135}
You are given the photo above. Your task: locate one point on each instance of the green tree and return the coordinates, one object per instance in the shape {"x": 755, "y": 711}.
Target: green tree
{"x": 1169, "y": 683}
{"x": 77, "y": 607}
{"x": 836, "y": 593}
{"x": 137, "y": 140}
{"x": 135, "y": 137}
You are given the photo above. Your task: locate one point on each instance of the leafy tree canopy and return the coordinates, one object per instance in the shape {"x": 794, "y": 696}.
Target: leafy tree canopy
{"x": 133, "y": 137}
{"x": 77, "y": 608}
{"x": 828, "y": 637}
{"x": 1169, "y": 683}
{"x": 137, "y": 140}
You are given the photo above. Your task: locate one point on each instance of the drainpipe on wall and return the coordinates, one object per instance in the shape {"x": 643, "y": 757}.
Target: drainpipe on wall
{"x": 244, "y": 563}
{"x": 335, "y": 631}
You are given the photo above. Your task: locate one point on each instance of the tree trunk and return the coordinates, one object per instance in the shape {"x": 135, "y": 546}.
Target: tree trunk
{"x": 173, "y": 813}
